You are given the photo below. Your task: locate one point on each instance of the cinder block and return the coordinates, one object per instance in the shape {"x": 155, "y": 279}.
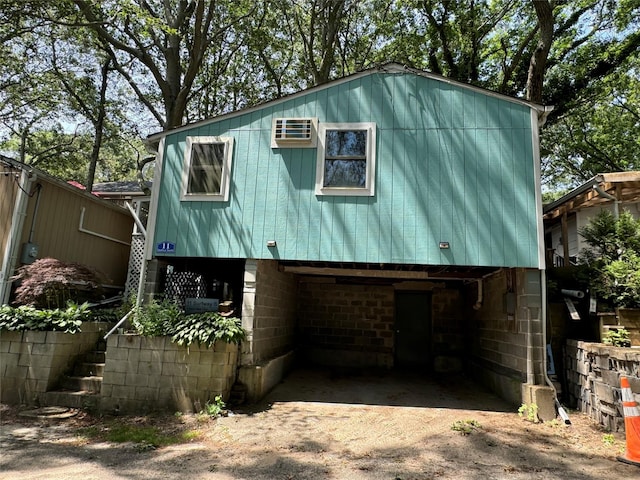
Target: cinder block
{"x": 114, "y": 378}
{"x": 122, "y": 392}
{"x": 116, "y": 353}
{"x": 136, "y": 380}
{"x": 149, "y": 394}
{"x": 149, "y": 368}
{"x": 129, "y": 341}
{"x": 34, "y": 337}
{"x": 200, "y": 370}
{"x": 543, "y": 397}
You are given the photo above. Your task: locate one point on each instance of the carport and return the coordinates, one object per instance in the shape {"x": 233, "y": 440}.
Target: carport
{"x": 425, "y": 319}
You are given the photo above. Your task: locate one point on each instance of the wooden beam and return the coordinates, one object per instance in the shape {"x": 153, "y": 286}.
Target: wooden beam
{"x": 346, "y": 272}
{"x": 565, "y": 239}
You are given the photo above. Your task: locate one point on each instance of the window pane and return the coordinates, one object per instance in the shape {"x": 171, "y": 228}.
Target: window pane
{"x": 345, "y": 173}
{"x": 346, "y": 143}
{"x": 205, "y": 173}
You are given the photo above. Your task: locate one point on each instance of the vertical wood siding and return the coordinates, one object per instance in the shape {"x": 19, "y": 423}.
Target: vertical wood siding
{"x": 452, "y": 165}
{"x": 8, "y": 192}
{"x": 56, "y": 230}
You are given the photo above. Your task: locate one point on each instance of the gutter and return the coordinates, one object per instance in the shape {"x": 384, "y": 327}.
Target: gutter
{"x": 561, "y": 411}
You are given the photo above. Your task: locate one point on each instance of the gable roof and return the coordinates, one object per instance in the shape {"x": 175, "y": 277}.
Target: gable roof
{"x": 390, "y": 67}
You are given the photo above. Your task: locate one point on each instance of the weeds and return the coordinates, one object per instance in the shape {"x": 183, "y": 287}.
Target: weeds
{"x": 144, "y": 437}
{"x": 466, "y": 427}
{"x": 529, "y": 411}
{"x": 608, "y": 439}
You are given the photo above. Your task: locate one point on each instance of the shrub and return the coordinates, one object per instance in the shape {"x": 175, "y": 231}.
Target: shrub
{"x": 51, "y": 283}
{"x": 25, "y": 317}
{"x": 207, "y": 328}
{"x": 156, "y": 318}
{"x": 167, "y": 318}
{"x": 617, "y": 338}
{"x": 614, "y": 258}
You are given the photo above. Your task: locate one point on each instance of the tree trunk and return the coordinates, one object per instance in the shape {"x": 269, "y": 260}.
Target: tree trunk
{"x": 538, "y": 63}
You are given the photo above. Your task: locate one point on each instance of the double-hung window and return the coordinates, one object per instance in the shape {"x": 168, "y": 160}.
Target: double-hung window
{"x": 346, "y": 159}
{"x": 207, "y": 168}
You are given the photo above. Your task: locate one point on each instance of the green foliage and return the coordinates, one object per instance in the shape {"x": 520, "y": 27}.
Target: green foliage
{"x": 529, "y": 411}
{"x": 146, "y": 437}
{"x": 68, "y": 320}
{"x": 156, "y": 318}
{"x": 167, "y": 318}
{"x": 608, "y": 439}
{"x": 215, "y": 408}
{"x": 614, "y": 257}
{"x": 466, "y": 427}
{"x": 617, "y": 338}
{"x": 206, "y": 329}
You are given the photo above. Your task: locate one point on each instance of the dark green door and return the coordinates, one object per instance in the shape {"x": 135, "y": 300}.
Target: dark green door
{"x": 413, "y": 330}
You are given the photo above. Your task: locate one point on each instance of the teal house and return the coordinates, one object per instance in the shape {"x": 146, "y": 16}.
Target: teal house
{"x": 388, "y": 219}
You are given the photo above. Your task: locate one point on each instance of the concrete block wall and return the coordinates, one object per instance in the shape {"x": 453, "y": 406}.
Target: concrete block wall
{"x": 144, "y": 374}
{"x": 345, "y": 325}
{"x": 32, "y": 363}
{"x": 448, "y": 329}
{"x": 593, "y": 372}
{"x": 498, "y": 334}
{"x": 274, "y": 320}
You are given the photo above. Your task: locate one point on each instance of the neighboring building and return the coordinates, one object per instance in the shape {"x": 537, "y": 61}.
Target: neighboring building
{"x": 41, "y": 216}
{"x": 564, "y": 218}
{"x": 134, "y": 196}
{"x": 392, "y": 218}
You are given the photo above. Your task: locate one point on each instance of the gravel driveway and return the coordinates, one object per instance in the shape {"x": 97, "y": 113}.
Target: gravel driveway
{"x": 326, "y": 425}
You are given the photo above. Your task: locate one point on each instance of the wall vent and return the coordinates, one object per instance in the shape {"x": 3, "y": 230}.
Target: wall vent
{"x": 294, "y": 132}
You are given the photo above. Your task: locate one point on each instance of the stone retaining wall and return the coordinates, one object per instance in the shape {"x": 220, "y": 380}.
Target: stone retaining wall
{"x": 32, "y": 362}
{"x": 593, "y": 380}
{"x": 144, "y": 374}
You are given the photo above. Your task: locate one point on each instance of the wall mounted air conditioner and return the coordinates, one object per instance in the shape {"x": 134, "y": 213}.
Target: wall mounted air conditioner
{"x": 294, "y": 132}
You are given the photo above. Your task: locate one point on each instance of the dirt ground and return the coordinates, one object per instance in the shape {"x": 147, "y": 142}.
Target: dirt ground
{"x": 326, "y": 425}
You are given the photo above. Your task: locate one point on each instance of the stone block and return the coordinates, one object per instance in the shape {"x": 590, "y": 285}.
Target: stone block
{"x": 116, "y": 353}
{"x": 604, "y": 392}
{"x": 611, "y": 377}
{"x": 543, "y": 397}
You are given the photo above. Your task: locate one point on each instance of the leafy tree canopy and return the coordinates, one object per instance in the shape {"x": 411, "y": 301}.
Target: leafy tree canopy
{"x": 136, "y": 66}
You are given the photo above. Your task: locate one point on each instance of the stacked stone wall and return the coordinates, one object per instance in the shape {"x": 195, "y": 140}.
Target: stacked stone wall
{"x": 593, "y": 372}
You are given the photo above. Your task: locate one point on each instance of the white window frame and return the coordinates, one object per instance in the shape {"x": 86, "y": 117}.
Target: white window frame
{"x": 225, "y": 177}
{"x": 369, "y": 188}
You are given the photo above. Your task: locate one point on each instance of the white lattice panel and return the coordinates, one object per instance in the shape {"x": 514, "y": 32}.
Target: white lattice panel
{"x": 136, "y": 260}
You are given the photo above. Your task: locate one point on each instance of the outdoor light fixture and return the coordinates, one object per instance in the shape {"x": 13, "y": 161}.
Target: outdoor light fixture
{"x": 271, "y": 243}
{"x": 444, "y": 245}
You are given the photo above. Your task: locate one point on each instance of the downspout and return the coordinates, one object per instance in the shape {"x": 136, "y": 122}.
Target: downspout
{"x": 17, "y": 222}
{"x": 616, "y": 202}
{"x": 478, "y": 304}
{"x": 560, "y": 408}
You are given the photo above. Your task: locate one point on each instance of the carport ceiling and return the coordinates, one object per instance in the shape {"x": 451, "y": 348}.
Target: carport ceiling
{"x": 386, "y": 270}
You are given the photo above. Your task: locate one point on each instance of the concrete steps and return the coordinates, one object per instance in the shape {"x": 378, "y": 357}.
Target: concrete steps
{"x": 81, "y": 387}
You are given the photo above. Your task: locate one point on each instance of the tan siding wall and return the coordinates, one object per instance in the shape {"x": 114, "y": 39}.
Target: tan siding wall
{"x": 56, "y": 230}
{"x": 8, "y": 190}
